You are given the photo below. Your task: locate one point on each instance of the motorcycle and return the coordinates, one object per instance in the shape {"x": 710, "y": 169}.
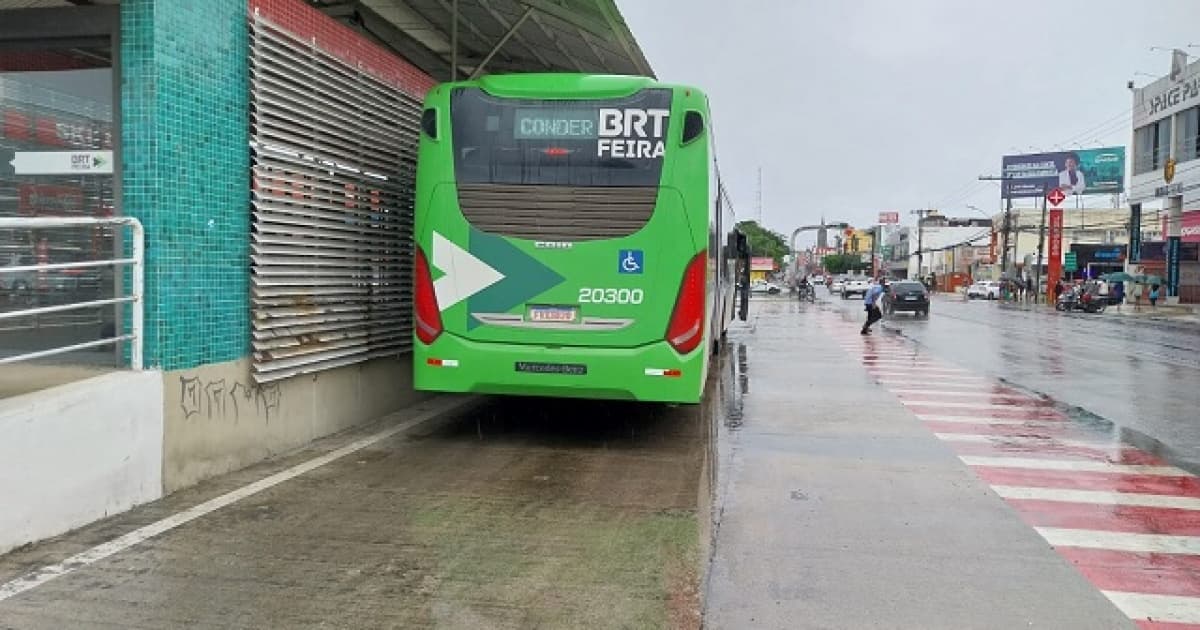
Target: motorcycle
{"x": 807, "y": 293}
{"x": 1080, "y": 299}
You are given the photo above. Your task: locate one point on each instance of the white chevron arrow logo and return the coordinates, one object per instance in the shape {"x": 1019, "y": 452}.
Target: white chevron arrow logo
{"x": 465, "y": 275}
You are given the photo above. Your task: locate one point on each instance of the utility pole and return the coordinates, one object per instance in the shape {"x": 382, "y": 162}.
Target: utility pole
{"x": 874, "y": 246}
{"x": 1037, "y": 283}
{"x": 759, "y": 200}
{"x": 1006, "y": 194}
{"x": 921, "y": 214}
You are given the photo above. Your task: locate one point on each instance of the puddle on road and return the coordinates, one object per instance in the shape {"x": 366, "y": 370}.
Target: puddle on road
{"x": 734, "y": 384}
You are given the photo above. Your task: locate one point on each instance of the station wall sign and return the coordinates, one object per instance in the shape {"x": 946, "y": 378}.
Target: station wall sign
{"x": 57, "y": 163}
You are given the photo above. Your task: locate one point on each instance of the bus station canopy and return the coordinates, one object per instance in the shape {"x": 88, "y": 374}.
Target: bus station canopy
{"x": 492, "y": 36}
{"x": 497, "y": 36}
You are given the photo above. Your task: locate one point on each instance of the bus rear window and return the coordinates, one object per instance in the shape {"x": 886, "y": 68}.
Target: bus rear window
{"x": 609, "y": 142}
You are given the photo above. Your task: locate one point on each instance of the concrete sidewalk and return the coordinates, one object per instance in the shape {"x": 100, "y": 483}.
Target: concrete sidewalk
{"x": 840, "y": 510}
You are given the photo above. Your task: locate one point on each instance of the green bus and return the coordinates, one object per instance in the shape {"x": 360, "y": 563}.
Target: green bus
{"x": 572, "y": 239}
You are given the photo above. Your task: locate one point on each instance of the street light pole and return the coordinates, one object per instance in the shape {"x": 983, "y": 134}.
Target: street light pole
{"x": 807, "y": 228}
{"x": 1037, "y": 283}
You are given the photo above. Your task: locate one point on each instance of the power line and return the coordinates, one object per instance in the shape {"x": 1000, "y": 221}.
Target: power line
{"x": 1115, "y": 123}
{"x": 969, "y": 241}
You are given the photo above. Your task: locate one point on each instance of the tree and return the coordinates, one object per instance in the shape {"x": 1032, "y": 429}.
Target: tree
{"x": 842, "y": 263}
{"x": 764, "y": 242}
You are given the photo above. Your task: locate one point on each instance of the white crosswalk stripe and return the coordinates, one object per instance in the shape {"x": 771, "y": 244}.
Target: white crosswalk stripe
{"x": 1026, "y": 441}
{"x": 1097, "y": 497}
{"x": 1069, "y": 465}
{"x": 928, "y": 417}
{"x": 952, "y": 404}
{"x": 1119, "y": 541}
{"x": 1160, "y": 608}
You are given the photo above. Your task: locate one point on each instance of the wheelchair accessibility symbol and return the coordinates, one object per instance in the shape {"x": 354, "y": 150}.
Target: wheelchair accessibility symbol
{"x": 631, "y": 261}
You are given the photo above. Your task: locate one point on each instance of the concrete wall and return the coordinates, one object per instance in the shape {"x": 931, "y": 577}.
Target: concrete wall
{"x": 218, "y": 420}
{"x": 76, "y": 453}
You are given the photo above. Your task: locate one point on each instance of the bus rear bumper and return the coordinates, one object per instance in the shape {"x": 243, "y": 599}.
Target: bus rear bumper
{"x": 653, "y": 373}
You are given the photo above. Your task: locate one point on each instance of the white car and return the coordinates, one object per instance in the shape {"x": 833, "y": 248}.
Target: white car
{"x": 770, "y": 288}
{"x": 985, "y": 289}
{"x": 837, "y": 284}
{"x": 855, "y": 286}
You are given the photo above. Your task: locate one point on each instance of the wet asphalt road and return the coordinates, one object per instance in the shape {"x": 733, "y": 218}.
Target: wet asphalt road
{"x": 1141, "y": 375}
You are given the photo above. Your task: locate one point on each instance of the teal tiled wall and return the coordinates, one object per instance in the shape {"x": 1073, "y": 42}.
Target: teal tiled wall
{"x": 186, "y": 173}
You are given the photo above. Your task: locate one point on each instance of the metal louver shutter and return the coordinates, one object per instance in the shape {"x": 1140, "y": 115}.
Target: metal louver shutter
{"x": 333, "y": 158}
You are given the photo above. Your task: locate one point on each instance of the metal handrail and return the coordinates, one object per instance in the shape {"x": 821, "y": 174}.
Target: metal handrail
{"x": 70, "y": 265}
{"x": 135, "y": 297}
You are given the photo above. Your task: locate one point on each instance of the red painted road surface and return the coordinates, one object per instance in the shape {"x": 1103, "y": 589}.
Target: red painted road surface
{"x": 1126, "y": 519}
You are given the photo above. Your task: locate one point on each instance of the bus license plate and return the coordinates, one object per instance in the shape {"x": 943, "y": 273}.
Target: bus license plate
{"x": 564, "y": 314}
{"x": 576, "y": 369}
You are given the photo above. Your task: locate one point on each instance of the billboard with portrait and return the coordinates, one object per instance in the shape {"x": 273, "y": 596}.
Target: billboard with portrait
{"x": 1080, "y": 172}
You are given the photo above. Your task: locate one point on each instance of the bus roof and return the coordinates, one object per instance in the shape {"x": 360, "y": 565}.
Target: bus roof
{"x": 537, "y": 84}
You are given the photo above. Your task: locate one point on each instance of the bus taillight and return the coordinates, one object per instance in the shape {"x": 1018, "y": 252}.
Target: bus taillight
{"x": 429, "y": 318}
{"x": 686, "y": 329}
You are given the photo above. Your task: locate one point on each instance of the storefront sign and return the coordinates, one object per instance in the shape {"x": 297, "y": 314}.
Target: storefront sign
{"x": 1135, "y": 233}
{"x": 1176, "y": 97}
{"x": 762, "y": 263}
{"x": 61, "y": 163}
{"x": 1189, "y": 227}
{"x": 1172, "y": 266}
{"x": 1154, "y": 251}
{"x": 1173, "y": 93}
{"x": 1170, "y": 190}
{"x": 1054, "y": 253}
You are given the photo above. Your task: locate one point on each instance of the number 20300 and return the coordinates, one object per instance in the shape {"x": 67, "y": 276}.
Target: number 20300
{"x": 610, "y": 296}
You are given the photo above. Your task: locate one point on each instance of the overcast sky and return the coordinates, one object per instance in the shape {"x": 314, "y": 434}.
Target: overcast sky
{"x": 852, "y": 107}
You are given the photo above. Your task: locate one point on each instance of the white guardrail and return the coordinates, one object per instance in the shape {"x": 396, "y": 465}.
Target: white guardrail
{"x": 134, "y": 297}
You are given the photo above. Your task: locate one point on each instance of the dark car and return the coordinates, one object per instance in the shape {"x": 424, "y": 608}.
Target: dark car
{"x": 907, "y": 295}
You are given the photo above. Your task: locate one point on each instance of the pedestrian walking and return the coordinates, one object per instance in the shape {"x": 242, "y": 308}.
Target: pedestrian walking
{"x": 1153, "y": 295}
{"x": 1029, "y": 293}
{"x": 871, "y": 305}
{"x": 1118, "y": 295}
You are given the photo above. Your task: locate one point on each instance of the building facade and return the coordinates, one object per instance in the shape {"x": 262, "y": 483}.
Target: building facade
{"x": 946, "y": 247}
{"x": 857, "y": 241}
{"x": 1098, "y": 236}
{"x": 1166, "y": 175}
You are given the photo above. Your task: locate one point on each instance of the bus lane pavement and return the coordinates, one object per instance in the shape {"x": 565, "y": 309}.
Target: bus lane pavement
{"x": 514, "y": 514}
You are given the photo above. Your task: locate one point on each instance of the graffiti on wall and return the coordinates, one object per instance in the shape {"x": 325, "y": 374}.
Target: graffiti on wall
{"x": 219, "y": 399}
